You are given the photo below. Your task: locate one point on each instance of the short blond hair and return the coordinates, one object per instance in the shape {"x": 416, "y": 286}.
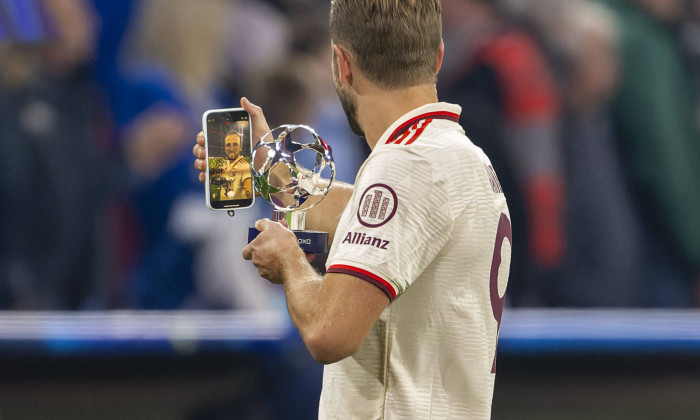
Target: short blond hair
{"x": 394, "y": 42}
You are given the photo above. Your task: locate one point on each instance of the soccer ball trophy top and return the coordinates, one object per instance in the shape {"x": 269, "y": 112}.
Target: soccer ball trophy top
{"x": 293, "y": 167}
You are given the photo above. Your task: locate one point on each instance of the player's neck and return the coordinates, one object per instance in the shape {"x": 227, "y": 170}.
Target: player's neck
{"x": 378, "y": 110}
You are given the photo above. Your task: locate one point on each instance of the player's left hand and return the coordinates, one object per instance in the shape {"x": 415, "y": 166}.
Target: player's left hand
{"x": 274, "y": 251}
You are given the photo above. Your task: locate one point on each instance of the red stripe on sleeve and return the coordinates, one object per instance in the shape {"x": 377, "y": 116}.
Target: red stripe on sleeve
{"x": 382, "y": 284}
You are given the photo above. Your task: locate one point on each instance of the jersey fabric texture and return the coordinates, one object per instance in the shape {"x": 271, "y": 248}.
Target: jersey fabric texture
{"x": 427, "y": 224}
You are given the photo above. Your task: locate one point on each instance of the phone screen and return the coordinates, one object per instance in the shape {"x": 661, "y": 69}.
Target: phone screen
{"x": 229, "y": 146}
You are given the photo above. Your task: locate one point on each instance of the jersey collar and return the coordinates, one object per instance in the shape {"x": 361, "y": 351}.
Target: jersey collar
{"x": 440, "y": 110}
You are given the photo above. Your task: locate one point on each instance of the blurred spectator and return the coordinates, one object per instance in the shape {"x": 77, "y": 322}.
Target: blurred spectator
{"x": 288, "y": 87}
{"x": 207, "y": 269}
{"x": 255, "y": 38}
{"x": 310, "y": 41}
{"x": 655, "y": 121}
{"x": 164, "y": 81}
{"x": 691, "y": 39}
{"x": 603, "y": 260}
{"x": 52, "y": 253}
{"x": 499, "y": 75}
{"x": 286, "y": 90}
{"x": 300, "y": 88}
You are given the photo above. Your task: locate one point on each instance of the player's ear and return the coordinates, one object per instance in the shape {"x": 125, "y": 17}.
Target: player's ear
{"x": 441, "y": 54}
{"x": 344, "y": 64}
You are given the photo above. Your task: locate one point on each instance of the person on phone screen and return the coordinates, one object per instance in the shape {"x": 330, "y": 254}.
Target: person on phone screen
{"x": 231, "y": 179}
{"x": 406, "y": 316}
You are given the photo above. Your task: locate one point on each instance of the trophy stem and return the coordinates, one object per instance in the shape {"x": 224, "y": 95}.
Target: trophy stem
{"x": 278, "y": 215}
{"x": 296, "y": 220}
{"x": 310, "y": 241}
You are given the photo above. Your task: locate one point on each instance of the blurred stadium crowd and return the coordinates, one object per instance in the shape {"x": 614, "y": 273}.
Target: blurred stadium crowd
{"x": 587, "y": 108}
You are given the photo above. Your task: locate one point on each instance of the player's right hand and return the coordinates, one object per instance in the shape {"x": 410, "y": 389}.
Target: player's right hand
{"x": 260, "y": 128}
{"x": 274, "y": 251}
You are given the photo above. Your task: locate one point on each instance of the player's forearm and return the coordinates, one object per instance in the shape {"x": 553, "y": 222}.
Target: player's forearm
{"x": 307, "y": 305}
{"x": 315, "y": 308}
{"x": 303, "y": 289}
{"x": 325, "y": 216}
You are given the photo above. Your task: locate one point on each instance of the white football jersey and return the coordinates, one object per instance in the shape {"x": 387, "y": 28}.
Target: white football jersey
{"x": 427, "y": 224}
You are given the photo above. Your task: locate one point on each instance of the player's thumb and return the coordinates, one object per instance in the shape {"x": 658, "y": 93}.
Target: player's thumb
{"x": 263, "y": 224}
{"x": 257, "y": 117}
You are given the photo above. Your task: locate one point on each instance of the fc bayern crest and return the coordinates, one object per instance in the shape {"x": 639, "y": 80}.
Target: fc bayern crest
{"x": 377, "y": 206}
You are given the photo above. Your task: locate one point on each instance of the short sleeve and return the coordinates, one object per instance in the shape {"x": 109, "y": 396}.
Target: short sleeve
{"x": 398, "y": 220}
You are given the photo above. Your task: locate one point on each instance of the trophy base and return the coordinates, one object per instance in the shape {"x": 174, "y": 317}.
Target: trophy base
{"x": 310, "y": 241}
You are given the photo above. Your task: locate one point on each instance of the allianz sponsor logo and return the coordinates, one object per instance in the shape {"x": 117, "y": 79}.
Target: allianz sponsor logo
{"x": 364, "y": 239}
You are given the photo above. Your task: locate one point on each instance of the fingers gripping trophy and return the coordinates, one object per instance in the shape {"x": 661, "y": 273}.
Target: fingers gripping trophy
{"x": 293, "y": 169}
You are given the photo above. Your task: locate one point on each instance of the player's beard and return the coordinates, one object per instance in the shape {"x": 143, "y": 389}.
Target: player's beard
{"x": 348, "y": 104}
{"x": 350, "y": 108}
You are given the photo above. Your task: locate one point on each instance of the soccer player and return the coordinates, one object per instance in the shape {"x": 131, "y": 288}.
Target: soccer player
{"x": 234, "y": 181}
{"x": 406, "y": 317}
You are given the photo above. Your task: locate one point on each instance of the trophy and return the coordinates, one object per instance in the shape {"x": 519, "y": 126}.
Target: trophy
{"x": 294, "y": 167}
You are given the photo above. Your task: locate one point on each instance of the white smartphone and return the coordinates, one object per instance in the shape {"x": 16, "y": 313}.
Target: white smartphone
{"x": 228, "y": 143}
